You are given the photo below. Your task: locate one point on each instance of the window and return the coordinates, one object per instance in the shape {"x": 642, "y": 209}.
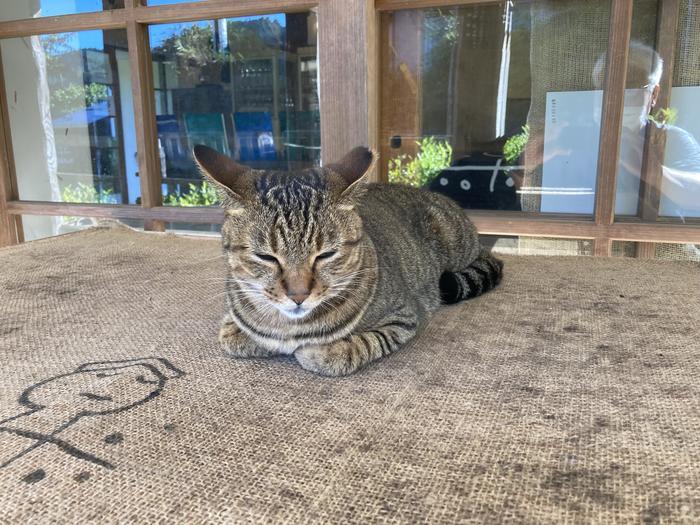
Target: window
{"x": 101, "y": 122}
{"x": 72, "y": 130}
{"x": 550, "y": 119}
{"x": 243, "y": 86}
{"x": 521, "y": 112}
{"x": 68, "y": 132}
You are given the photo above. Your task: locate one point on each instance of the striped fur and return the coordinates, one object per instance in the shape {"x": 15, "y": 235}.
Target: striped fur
{"x": 334, "y": 270}
{"x": 482, "y": 275}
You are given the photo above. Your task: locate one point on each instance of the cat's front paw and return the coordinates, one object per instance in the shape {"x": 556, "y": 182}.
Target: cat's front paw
{"x": 236, "y": 344}
{"x": 333, "y": 360}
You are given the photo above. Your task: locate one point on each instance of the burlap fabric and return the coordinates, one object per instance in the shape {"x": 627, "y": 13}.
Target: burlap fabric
{"x": 686, "y": 70}
{"x": 570, "y": 394}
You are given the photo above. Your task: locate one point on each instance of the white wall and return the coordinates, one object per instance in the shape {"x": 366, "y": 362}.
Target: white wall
{"x": 129, "y": 125}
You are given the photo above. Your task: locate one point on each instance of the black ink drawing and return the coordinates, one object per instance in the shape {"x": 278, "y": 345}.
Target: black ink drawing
{"x": 94, "y": 389}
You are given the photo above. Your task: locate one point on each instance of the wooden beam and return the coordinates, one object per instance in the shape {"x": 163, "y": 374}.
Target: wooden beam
{"x": 487, "y": 222}
{"x": 112, "y": 19}
{"x": 395, "y": 5}
{"x": 119, "y": 211}
{"x": 217, "y": 9}
{"x": 652, "y": 232}
{"x": 348, "y": 85}
{"x": 10, "y": 227}
{"x": 145, "y": 119}
{"x": 134, "y": 11}
{"x": 655, "y": 142}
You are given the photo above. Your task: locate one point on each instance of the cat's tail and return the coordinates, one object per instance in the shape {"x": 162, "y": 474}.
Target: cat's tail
{"x": 482, "y": 275}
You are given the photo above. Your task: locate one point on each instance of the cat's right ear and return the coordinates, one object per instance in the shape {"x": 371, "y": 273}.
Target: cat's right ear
{"x": 355, "y": 168}
{"x": 222, "y": 171}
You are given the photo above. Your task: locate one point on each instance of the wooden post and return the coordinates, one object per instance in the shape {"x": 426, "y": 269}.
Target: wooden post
{"x": 655, "y": 138}
{"x": 645, "y": 250}
{"x": 10, "y": 226}
{"x": 348, "y": 57}
{"x": 145, "y": 119}
{"x": 611, "y": 120}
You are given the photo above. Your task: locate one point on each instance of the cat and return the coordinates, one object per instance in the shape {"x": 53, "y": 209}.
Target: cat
{"x": 337, "y": 271}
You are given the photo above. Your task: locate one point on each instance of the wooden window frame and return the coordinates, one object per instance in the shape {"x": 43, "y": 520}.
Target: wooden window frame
{"x": 350, "y": 109}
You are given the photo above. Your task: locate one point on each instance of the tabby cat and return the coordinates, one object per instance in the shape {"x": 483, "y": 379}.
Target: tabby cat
{"x": 335, "y": 270}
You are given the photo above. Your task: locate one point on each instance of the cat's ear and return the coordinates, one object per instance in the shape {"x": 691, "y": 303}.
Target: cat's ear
{"x": 355, "y": 168}
{"x": 222, "y": 171}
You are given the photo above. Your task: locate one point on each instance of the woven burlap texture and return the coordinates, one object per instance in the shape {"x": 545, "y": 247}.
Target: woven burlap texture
{"x": 569, "y": 394}
{"x": 686, "y": 70}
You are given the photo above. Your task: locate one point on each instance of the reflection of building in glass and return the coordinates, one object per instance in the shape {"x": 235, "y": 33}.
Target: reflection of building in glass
{"x": 245, "y": 87}
{"x": 86, "y": 113}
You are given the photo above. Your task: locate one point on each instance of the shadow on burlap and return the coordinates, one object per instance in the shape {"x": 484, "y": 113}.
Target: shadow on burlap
{"x": 568, "y": 394}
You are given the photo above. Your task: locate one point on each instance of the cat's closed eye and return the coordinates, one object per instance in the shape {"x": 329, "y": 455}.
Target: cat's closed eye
{"x": 267, "y": 257}
{"x": 326, "y": 255}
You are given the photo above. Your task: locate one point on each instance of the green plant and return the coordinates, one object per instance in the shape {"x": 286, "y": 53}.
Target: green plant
{"x": 515, "y": 145}
{"x": 81, "y": 192}
{"x": 86, "y": 193}
{"x": 76, "y": 96}
{"x": 202, "y": 195}
{"x": 433, "y": 156}
{"x": 664, "y": 117}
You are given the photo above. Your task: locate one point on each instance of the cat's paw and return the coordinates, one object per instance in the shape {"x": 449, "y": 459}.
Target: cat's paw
{"x": 331, "y": 360}
{"x": 236, "y": 344}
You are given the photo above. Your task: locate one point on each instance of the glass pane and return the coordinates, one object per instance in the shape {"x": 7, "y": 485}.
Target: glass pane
{"x": 623, "y": 248}
{"x": 41, "y": 226}
{"x": 244, "y": 86}
{"x": 661, "y": 133}
{"x": 514, "y": 245}
{"x": 18, "y": 9}
{"x": 664, "y": 251}
{"x": 71, "y": 117}
{"x": 496, "y": 105}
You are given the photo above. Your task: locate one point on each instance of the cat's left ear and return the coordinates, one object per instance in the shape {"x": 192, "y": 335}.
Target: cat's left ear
{"x": 223, "y": 171}
{"x": 355, "y": 168}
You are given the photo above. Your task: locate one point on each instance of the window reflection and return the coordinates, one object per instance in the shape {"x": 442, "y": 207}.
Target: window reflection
{"x": 660, "y": 150}
{"x": 499, "y": 106}
{"x": 246, "y": 87}
{"x": 71, "y": 117}
{"x": 495, "y": 105}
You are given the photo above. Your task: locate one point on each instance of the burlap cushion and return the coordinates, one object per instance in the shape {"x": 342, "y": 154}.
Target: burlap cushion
{"x": 569, "y": 394}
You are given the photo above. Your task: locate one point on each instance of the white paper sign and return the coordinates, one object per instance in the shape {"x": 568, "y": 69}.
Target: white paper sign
{"x": 572, "y": 133}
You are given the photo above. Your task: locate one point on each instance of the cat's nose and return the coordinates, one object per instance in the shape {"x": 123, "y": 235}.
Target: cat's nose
{"x": 298, "y": 296}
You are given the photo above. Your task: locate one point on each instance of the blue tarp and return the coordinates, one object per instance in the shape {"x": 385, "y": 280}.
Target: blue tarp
{"x": 82, "y": 117}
